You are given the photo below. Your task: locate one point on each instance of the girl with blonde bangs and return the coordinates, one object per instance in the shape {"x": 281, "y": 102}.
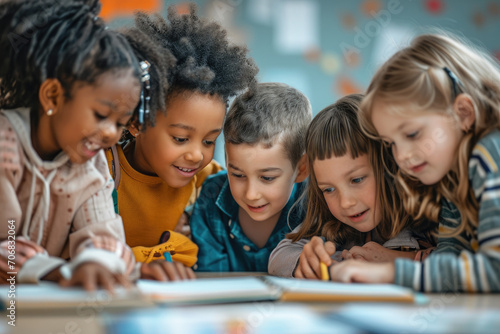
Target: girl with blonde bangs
{"x": 436, "y": 104}
{"x": 352, "y": 205}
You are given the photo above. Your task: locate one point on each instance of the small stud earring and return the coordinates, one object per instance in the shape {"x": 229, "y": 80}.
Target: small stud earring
{"x": 50, "y": 112}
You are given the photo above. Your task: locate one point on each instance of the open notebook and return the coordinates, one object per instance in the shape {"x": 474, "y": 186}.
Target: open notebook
{"x": 207, "y": 291}
{"x": 50, "y": 295}
{"x": 247, "y": 289}
{"x": 321, "y": 291}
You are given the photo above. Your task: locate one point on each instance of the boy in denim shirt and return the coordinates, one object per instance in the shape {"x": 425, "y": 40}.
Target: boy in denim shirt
{"x": 244, "y": 212}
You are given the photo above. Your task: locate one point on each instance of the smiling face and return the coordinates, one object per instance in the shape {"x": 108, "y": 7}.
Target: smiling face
{"x": 261, "y": 179}
{"x": 349, "y": 188}
{"x": 424, "y": 144}
{"x": 91, "y": 119}
{"x": 182, "y": 142}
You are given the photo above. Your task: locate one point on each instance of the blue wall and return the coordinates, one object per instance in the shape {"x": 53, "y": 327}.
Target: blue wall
{"x": 325, "y": 75}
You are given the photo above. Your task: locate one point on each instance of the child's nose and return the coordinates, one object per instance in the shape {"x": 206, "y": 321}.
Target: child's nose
{"x": 252, "y": 192}
{"x": 403, "y": 152}
{"x": 109, "y": 132}
{"x": 347, "y": 200}
{"x": 195, "y": 154}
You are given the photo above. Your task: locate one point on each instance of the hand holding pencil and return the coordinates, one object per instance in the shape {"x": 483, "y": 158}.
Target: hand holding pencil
{"x": 314, "y": 259}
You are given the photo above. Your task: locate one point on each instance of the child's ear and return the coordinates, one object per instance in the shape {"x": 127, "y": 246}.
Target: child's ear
{"x": 303, "y": 171}
{"x": 464, "y": 107}
{"x": 50, "y": 94}
{"x": 133, "y": 128}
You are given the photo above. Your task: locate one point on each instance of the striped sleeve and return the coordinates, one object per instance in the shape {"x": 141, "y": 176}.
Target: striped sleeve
{"x": 469, "y": 263}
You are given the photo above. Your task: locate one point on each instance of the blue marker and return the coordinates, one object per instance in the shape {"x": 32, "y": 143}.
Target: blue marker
{"x": 167, "y": 256}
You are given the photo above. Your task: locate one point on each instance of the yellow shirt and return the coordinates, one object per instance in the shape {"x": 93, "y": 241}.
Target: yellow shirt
{"x": 147, "y": 205}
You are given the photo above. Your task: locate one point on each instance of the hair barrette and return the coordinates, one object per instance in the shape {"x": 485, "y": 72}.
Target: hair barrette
{"x": 145, "y": 91}
{"x": 454, "y": 80}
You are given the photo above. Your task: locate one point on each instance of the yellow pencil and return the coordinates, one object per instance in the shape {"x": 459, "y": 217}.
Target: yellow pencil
{"x": 324, "y": 272}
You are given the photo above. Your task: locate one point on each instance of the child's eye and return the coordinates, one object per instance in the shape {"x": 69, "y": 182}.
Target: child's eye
{"x": 328, "y": 190}
{"x": 268, "y": 178}
{"x": 358, "y": 179}
{"x": 412, "y": 135}
{"x": 239, "y": 176}
{"x": 208, "y": 142}
{"x": 99, "y": 116}
{"x": 180, "y": 140}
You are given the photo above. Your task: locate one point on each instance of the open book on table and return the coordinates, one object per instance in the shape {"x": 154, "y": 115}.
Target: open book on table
{"x": 49, "y": 295}
{"x": 246, "y": 289}
{"x": 206, "y": 291}
{"x": 325, "y": 291}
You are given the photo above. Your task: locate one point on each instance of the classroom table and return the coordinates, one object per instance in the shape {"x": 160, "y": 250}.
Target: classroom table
{"x": 422, "y": 316}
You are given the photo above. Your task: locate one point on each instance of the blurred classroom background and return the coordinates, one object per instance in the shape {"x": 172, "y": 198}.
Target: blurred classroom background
{"x": 328, "y": 48}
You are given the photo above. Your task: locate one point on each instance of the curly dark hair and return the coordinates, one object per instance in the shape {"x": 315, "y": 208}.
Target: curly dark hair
{"x": 65, "y": 40}
{"x": 205, "y": 62}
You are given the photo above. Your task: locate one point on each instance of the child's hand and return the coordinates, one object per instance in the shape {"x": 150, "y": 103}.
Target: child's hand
{"x": 351, "y": 271}
{"x": 161, "y": 270}
{"x": 92, "y": 275}
{"x": 314, "y": 252}
{"x": 22, "y": 250}
{"x": 374, "y": 252}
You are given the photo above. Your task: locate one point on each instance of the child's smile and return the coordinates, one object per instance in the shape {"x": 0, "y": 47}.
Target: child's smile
{"x": 89, "y": 149}
{"x": 417, "y": 168}
{"x": 359, "y": 216}
{"x": 186, "y": 172}
{"x": 257, "y": 209}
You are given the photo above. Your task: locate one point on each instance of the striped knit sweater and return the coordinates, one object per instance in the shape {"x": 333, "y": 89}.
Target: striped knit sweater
{"x": 469, "y": 263}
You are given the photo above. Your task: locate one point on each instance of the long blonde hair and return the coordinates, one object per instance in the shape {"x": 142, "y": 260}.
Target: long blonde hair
{"x": 335, "y": 131}
{"x": 415, "y": 79}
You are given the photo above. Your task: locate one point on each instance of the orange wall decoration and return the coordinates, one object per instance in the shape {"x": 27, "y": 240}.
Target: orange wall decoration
{"x": 345, "y": 86}
{"x": 116, "y": 8}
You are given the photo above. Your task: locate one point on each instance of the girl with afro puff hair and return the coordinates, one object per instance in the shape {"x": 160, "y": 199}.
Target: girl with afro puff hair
{"x": 166, "y": 154}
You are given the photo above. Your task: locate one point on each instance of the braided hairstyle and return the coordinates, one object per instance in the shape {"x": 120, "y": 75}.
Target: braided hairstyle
{"x": 190, "y": 55}
{"x": 58, "y": 39}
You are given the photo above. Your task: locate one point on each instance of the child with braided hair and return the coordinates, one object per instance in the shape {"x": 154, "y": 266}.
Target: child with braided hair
{"x": 68, "y": 85}
{"x": 168, "y": 152}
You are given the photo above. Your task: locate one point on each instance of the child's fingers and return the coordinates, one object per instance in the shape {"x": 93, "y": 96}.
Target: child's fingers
{"x": 122, "y": 280}
{"x": 64, "y": 283}
{"x": 330, "y": 248}
{"x": 25, "y": 253}
{"x": 106, "y": 280}
{"x": 170, "y": 270}
{"x": 22, "y": 250}
{"x": 191, "y": 274}
{"x": 346, "y": 255}
{"x": 342, "y": 272}
{"x": 154, "y": 271}
{"x": 359, "y": 257}
{"x": 25, "y": 242}
{"x": 298, "y": 273}
{"x": 359, "y": 252}
{"x": 87, "y": 279}
{"x": 181, "y": 270}
{"x": 320, "y": 254}
{"x": 310, "y": 259}
{"x": 305, "y": 267}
